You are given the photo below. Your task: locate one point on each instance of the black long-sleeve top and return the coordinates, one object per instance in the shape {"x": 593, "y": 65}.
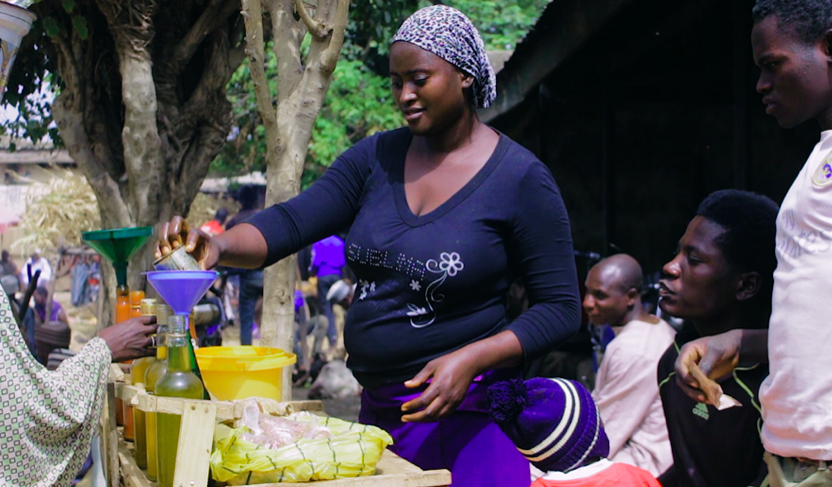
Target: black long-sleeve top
{"x": 431, "y": 284}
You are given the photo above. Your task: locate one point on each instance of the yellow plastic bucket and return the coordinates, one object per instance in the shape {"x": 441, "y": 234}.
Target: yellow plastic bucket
{"x": 233, "y": 373}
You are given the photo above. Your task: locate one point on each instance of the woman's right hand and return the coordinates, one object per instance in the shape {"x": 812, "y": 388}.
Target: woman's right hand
{"x": 199, "y": 244}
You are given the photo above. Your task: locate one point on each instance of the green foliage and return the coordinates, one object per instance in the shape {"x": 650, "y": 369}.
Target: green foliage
{"x": 50, "y": 25}
{"x": 359, "y": 102}
{"x": 79, "y": 23}
{"x": 501, "y": 24}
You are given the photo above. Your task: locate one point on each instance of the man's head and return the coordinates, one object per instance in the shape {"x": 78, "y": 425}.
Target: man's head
{"x": 792, "y": 44}
{"x": 248, "y": 196}
{"x": 40, "y": 296}
{"x": 36, "y": 255}
{"x": 221, "y": 215}
{"x": 725, "y": 261}
{"x": 613, "y": 288}
{"x": 4, "y": 255}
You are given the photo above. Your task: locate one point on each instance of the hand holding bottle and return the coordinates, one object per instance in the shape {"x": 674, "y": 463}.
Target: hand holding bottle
{"x": 199, "y": 244}
{"x": 131, "y": 338}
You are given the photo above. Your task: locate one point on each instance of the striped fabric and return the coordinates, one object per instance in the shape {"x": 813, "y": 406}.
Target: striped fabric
{"x": 559, "y": 427}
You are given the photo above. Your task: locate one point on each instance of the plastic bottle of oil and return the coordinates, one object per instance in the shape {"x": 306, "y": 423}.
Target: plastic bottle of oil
{"x": 147, "y": 307}
{"x": 155, "y": 372}
{"x": 178, "y": 381}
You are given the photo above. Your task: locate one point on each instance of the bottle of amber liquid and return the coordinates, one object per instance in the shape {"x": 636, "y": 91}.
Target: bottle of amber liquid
{"x": 135, "y": 310}
{"x": 178, "y": 381}
{"x": 155, "y": 372}
{"x": 147, "y": 307}
{"x": 122, "y": 313}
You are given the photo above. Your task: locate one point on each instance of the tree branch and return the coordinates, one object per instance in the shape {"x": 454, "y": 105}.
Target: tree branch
{"x": 330, "y": 56}
{"x": 255, "y": 42}
{"x": 210, "y": 20}
{"x": 317, "y": 29}
{"x": 71, "y": 124}
{"x": 287, "y": 34}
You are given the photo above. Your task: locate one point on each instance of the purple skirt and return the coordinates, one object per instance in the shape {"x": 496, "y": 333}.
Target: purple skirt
{"x": 468, "y": 442}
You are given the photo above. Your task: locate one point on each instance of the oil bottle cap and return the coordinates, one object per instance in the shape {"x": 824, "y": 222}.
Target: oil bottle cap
{"x": 148, "y": 307}
{"x": 176, "y": 324}
{"x": 162, "y": 314}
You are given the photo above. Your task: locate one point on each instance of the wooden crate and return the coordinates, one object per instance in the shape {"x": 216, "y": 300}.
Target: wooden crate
{"x": 198, "y": 419}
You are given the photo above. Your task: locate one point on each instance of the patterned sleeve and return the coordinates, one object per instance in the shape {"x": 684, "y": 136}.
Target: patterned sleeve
{"x": 49, "y": 417}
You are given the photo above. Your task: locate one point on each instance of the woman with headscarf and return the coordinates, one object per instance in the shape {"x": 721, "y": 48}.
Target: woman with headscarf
{"x": 443, "y": 215}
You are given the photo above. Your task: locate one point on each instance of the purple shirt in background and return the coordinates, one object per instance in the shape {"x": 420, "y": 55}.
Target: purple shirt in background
{"x": 328, "y": 256}
{"x": 56, "y": 310}
{"x": 298, "y": 300}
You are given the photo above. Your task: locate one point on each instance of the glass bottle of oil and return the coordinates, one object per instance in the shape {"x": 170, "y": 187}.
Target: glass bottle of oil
{"x": 178, "y": 381}
{"x": 193, "y": 344}
{"x": 135, "y": 300}
{"x": 155, "y": 372}
{"x": 147, "y": 307}
{"x": 122, "y": 313}
{"x": 122, "y": 303}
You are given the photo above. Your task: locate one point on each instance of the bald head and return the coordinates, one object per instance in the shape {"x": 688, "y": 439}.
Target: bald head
{"x": 613, "y": 290}
{"x": 620, "y": 271}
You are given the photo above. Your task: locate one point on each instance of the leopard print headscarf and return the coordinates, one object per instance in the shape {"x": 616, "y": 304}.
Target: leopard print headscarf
{"x": 449, "y": 34}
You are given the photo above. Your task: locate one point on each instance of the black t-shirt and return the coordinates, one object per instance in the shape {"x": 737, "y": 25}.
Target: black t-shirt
{"x": 713, "y": 448}
{"x": 431, "y": 284}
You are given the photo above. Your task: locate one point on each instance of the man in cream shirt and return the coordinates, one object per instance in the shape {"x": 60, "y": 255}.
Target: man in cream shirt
{"x": 626, "y": 390}
{"x": 792, "y": 45}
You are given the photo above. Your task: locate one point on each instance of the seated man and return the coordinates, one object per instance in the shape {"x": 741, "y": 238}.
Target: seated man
{"x": 41, "y": 296}
{"x": 625, "y": 389}
{"x": 720, "y": 280}
{"x": 557, "y": 427}
{"x": 50, "y": 332}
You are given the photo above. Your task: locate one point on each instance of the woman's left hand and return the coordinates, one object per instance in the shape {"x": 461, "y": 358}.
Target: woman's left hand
{"x": 452, "y": 374}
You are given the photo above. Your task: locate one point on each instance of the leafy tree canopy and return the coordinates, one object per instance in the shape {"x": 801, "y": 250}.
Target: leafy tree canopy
{"x": 359, "y": 101}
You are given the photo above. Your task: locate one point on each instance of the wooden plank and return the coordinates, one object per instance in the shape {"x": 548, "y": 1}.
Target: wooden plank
{"x": 195, "y": 437}
{"x": 391, "y": 471}
{"x": 226, "y": 410}
{"x": 109, "y": 444}
{"x": 131, "y": 474}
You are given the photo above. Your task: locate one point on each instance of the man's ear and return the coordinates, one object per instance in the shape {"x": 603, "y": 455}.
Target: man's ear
{"x": 748, "y": 286}
{"x": 827, "y": 43}
{"x": 632, "y": 295}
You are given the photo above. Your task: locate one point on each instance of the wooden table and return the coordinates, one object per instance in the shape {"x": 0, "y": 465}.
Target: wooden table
{"x": 198, "y": 420}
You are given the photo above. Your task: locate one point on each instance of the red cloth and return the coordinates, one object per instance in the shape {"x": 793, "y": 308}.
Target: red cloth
{"x": 213, "y": 227}
{"x": 618, "y": 475}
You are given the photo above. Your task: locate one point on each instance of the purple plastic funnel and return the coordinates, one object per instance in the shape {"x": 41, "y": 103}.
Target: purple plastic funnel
{"x": 181, "y": 289}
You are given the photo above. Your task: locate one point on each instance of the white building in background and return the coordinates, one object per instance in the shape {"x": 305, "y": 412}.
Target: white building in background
{"x": 20, "y": 171}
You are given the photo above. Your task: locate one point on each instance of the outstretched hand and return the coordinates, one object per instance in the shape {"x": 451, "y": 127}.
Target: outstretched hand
{"x": 451, "y": 374}
{"x": 199, "y": 244}
{"x": 130, "y": 339}
{"x": 717, "y": 356}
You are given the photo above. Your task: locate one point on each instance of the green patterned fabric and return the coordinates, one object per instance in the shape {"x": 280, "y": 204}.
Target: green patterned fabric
{"x": 47, "y": 418}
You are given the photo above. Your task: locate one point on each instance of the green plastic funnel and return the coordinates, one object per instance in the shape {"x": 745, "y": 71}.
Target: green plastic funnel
{"x": 118, "y": 246}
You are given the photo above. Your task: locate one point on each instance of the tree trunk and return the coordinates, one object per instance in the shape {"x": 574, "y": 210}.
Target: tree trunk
{"x": 142, "y": 108}
{"x": 302, "y": 87}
